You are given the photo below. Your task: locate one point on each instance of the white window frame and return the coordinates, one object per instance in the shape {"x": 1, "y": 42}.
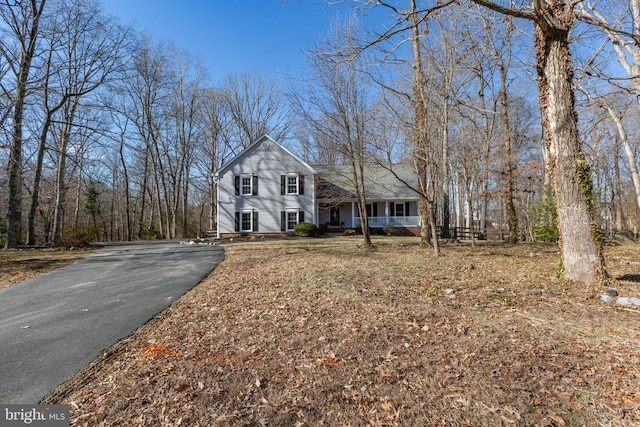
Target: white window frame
{"x": 288, "y": 185}
{"x": 244, "y": 187}
{"x": 295, "y": 212}
{"x": 242, "y": 214}
{"x": 401, "y": 206}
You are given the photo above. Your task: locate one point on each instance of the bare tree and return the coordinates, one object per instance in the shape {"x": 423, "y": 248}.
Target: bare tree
{"x": 18, "y": 47}
{"x": 215, "y": 148}
{"x": 89, "y": 53}
{"x": 407, "y": 27}
{"x": 337, "y": 107}
{"x": 146, "y": 93}
{"x": 553, "y": 20}
{"x": 54, "y": 90}
{"x": 624, "y": 34}
{"x": 256, "y": 106}
{"x": 426, "y": 165}
{"x": 187, "y": 99}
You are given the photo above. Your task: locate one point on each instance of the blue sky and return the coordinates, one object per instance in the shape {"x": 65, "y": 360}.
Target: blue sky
{"x": 231, "y": 36}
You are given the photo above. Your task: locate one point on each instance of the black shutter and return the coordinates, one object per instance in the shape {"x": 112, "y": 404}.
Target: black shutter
{"x": 300, "y": 184}
{"x": 392, "y": 208}
{"x": 237, "y": 184}
{"x": 375, "y": 209}
{"x": 406, "y": 208}
{"x": 301, "y": 216}
{"x": 255, "y": 221}
{"x": 283, "y": 221}
{"x": 255, "y": 185}
{"x": 237, "y": 221}
{"x": 283, "y": 183}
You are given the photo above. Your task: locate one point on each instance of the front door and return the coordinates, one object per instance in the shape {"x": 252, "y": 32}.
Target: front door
{"x": 334, "y": 215}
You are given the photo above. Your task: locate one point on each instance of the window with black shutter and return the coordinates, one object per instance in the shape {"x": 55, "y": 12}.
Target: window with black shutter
{"x": 246, "y": 185}
{"x": 291, "y": 184}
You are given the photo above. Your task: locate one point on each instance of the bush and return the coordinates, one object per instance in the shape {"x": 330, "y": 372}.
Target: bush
{"x": 546, "y": 233}
{"x": 3, "y": 234}
{"x": 305, "y": 229}
{"x": 390, "y": 230}
{"x": 544, "y": 219}
{"x": 79, "y": 237}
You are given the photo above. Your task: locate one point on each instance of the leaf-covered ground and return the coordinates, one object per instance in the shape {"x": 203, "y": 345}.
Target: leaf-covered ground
{"x": 19, "y": 265}
{"x": 321, "y": 332}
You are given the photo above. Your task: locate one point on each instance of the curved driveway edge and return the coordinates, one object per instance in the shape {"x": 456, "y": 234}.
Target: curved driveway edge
{"x": 53, "y": 325}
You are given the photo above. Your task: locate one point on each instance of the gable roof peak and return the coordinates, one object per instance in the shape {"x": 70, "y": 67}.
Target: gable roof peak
{"x": 262, "y": 140}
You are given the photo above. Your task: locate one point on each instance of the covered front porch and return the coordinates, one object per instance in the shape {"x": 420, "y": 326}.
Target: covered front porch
{"x": 382, "y": 213}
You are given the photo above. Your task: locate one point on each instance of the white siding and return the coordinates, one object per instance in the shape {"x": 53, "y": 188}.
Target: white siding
{"x": 268, "y": 164}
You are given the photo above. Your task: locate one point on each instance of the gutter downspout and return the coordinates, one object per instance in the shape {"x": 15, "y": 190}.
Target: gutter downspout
{"x": 217, "y": 182}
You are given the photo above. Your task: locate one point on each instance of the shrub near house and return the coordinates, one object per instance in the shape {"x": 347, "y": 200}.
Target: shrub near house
{"x": 305, "y": 229}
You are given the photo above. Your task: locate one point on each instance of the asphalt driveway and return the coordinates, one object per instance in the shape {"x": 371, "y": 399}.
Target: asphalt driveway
{"x": 54, "y": 325}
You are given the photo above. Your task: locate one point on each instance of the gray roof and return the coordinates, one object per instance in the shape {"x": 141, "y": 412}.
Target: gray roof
{"x": 380, "y": 182}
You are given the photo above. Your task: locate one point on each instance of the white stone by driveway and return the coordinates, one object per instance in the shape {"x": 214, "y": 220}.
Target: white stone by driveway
{"x": 55, "y": 324}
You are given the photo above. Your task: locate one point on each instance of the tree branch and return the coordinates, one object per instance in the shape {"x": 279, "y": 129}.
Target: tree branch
{"x": 516, "y": 13}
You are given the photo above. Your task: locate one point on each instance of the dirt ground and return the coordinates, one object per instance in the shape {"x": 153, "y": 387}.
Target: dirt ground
{"x": 321, "y": 332}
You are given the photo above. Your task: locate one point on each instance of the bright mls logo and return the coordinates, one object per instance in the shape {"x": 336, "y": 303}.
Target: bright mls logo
{"x": 34, "y": 415}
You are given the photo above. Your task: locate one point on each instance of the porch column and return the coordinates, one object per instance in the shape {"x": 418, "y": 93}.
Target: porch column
{"x": 353, "y": 215}
{"x": 386, "y": 212}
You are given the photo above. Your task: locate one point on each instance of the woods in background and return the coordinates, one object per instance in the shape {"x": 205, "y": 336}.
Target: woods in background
{"x": 109, "y": 134}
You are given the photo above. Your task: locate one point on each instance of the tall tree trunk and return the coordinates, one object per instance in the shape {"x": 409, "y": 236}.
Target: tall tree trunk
{"x": 444, "y": 167}
{"x": 28, "y": 41}
{"x": 358, "y": 175}
{"x": 421, "y": 138}
{"x": 471, "y": 226}
{"x": 581, "y": 253}
{"x": 143, "y": 196}
{"x": 617, "y": 188}
{"x": 629, "y": 152}
{"x": 35, "y": 194}
{"x": 507, "y": 138}
{"x": 127, "y": 196}
{"x": 486, "y": 149}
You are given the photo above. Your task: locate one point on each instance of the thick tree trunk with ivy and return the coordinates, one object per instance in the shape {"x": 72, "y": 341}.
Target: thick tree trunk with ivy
{"x": 582, "y": 259}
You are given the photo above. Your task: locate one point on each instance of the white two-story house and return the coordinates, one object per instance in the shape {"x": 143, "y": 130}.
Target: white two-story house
{"x": 266, "y": 189}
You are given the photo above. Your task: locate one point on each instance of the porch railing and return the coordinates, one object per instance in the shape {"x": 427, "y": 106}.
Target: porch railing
{"x": 394, "y": 221}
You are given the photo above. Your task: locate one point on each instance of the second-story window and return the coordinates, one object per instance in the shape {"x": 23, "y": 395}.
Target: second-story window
{"x": 292, "y": 184}
{"x": 246, "y": 184}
